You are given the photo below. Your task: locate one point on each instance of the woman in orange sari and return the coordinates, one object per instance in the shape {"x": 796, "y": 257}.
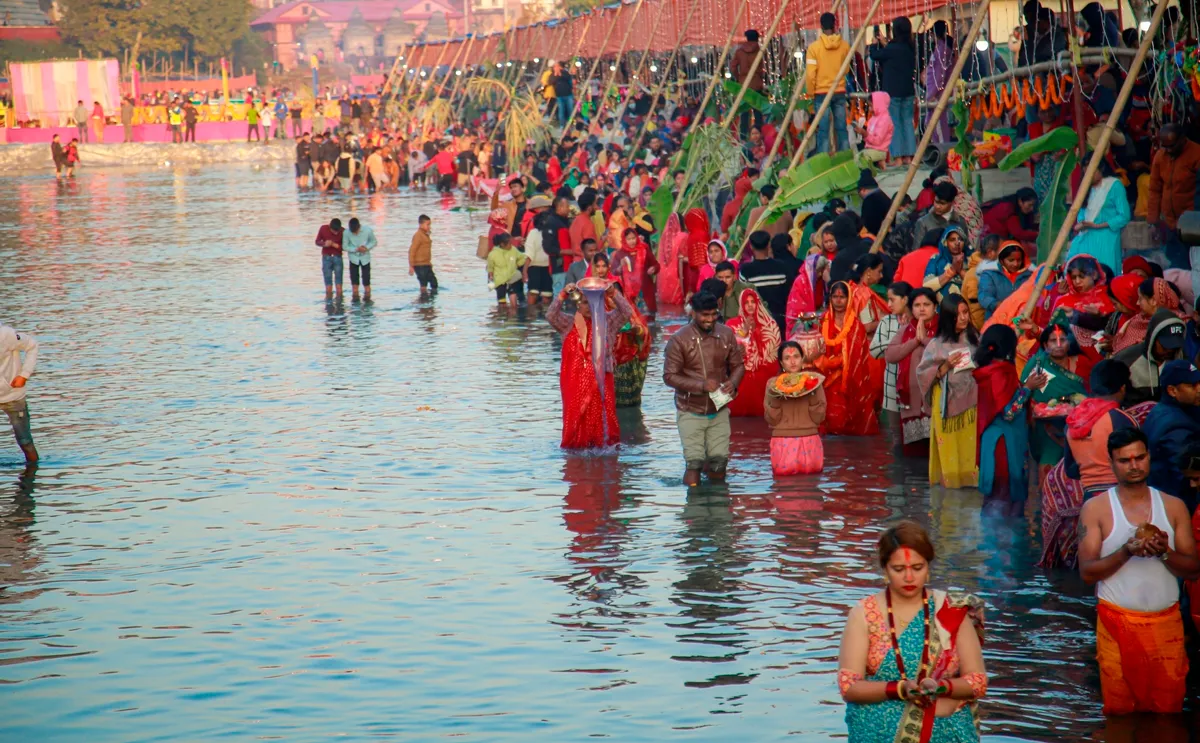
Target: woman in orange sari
{"x": 759, "y": 335}
{"x": 853, "y": 388}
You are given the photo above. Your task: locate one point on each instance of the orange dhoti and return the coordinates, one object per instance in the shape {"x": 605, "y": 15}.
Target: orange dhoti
{"x": 1143, "y": 664}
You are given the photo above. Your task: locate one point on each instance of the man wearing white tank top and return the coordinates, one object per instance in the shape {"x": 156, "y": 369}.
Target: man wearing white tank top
{"x": 1135, "y": 544}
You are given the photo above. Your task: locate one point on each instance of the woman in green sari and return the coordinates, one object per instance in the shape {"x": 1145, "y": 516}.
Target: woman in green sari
{"x": 1068, "y": 367}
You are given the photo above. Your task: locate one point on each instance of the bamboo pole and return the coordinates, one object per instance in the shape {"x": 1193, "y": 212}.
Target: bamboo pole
{"x": 484, "y": 55}
{"x": 1097, "y": 155}
{"x": 462, "y": 47}
{"x": 658, "y": 89}
{"x": 508, "y": 103}
{"x": 762, "y": 49}
{"x": 596, "y": 62}
{"x": 388, "y": 84}
{"x": 459, "y": 78}
{"x": 662, "y": 7}
{"x": 406, "y": 81}
{"x": 421, "y": 89}
{"x": 717, "y": 74}
{"x": 615, "y": 66}
{"x": 968, "y": 47}
{"x": 821, "y": 110}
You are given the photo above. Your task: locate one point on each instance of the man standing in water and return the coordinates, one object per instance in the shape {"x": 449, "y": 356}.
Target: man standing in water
{"x": 704, "y": 366}
{"x": 358, "y": 244}
{"x": 329, "y": 239}
{"x": 14, "y": 371}
{"x": 1134, "y": 544}
{"x": 420, "y": 255}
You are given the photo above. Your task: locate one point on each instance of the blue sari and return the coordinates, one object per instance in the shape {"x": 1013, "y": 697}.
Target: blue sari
{"x": 881, "y": 722}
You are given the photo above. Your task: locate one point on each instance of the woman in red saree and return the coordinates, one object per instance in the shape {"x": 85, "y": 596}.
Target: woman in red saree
{"x": 758, "y": 333}
{"x": 1086, "y": 298}
{"x": 589, "y": 413}
{"x": 635, "y": 266}
{"x": 852, "y": 387}
{"x": 695, "y": 223}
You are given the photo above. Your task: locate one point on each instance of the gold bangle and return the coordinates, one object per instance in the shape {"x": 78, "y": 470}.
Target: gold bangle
{"x": 901, "y": 691}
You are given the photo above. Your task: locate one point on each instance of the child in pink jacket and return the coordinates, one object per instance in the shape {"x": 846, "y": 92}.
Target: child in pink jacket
{"x": 877, "y": 134}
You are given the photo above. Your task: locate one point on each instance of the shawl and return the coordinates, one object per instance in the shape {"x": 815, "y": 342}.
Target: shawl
{"x": 1095, "y": 301}
{"x": 731, "y": 211}
{"x": 1097, "y": 198}
{"x": 761, "y": 341}
{"x": 863, "y": 296}
{"x": 695, "y": 222}
{"x": 807, "y": 294}
{"x": 633, "y": 341}
{"x": 1084, "y": 416}
{"x": 959, "y": 393}
{"x": 997, "y": 384}
{"x": 904, "y": 367}
{"x": 1065, "y": 383}
{"x": 670, "y": 283}
{"x": 1134, "y": 330}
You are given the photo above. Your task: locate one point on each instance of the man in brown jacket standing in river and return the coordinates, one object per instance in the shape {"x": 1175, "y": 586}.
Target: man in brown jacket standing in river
{"x": 705, "y": 367}
{"x": 420, "y": 255}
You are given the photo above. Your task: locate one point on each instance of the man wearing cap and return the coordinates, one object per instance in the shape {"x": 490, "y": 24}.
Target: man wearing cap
{"x": 1164, "y": 342}
{"x": 1172, "y": 425}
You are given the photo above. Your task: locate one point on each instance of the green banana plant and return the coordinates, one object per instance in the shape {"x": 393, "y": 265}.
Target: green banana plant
{"x": 816, "y": 179}
{"x": 1053, "y": 210}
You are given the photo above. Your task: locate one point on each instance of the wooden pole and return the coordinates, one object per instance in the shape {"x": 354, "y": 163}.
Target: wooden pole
{"x": 596, "y": 62}
{"x": 762, "y": 49}
{"x": 658, "y": 89}
{"x": 1098, "y": 154}
{"x": 717, "y": 74}
{"x": 858, "y": 39}
{"x": 485, "y": 60}
{"x": 420, "y": 89}
{"x": 458, "y": 79}
{"x": 388, "y": 84}
{"x": 462, "y": 47}
{"x": 662, "y": 7}
{"x": 968, "y": 48}
{"x": 616, "y": 66}
{"x": 821, "y": 111}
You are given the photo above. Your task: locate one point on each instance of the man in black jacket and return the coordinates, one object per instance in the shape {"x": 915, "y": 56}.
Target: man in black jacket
{"x": 556, "y": 237}
{"x": 875, "y": 203}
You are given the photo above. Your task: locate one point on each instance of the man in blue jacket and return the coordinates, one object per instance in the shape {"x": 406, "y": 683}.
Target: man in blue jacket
{"x": 1172, "y": 425}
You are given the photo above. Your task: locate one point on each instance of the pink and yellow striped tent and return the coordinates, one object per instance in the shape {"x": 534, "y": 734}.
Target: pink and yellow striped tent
{"x": 48, "y": 91}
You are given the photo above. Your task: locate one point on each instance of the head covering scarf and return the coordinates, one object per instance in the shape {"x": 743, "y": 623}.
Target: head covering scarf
{"x": 1134, "y": 330}
{"x": 762, "y": 341}
{"x": 1093, "y": 301}
{"x": 1136, "y": 263}
{"x": 695, "y": 223}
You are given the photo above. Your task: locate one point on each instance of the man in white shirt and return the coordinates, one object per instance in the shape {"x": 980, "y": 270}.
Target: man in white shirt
{"x": 14, "y": 371}
{"x": 358, "y": 242}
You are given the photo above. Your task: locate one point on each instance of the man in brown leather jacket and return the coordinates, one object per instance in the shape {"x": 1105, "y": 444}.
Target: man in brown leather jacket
{"x": 702, "y": 358}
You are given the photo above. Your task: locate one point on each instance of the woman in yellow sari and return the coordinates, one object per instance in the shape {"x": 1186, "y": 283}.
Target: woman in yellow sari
{"x": 947, "y": 383}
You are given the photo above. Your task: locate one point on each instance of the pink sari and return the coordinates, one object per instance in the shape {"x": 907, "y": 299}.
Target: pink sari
{"x": 807, "y": 295}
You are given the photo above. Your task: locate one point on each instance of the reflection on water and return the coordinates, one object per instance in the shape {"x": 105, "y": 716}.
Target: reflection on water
{"x": 261, "y": 514}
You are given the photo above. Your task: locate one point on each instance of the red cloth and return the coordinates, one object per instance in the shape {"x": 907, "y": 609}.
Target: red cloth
{"x": 584, "y": 412}
{"x": 731, "y": 211}
{"x": 851, "y": 389}
{"x": 997, "y": 384}
{"x": 904, "y": 368}
{"x": 1084, "y": 416}
{"x": 324, "y": 235}
{"x": 912, "y": 267}
{"x": 1004, "y": 220}
{"x": 695, "y": 222}
{"x": 1095, "y": 301}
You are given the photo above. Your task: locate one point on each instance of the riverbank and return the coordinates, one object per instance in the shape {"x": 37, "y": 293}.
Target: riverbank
{"x": 16, "y": 158}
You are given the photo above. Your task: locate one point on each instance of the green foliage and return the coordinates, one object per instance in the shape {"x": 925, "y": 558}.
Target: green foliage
{"x": 964, "y": 146}
{"x": 1062, "y": 138}
{"x": 19, "y": 50}
{"x": 753, "y": 100}
{"x": 660, "y": 208}
{"x": 574, "y": 7}
{"x": 818, "y": 178}
{"x": 1053, "y": 211}
{"x": 718, "y": 158}
{"x": 208, "y": 29}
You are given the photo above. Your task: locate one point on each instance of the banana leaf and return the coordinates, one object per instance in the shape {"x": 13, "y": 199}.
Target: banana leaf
{"x": 816, "y": 179}
{"x": 753, "y": 100}
{"x": 737, "y": 231}
{"x": 1062, "y": 138}
{"x": 660, "y": 208}
{"x": 1055, "y": 207}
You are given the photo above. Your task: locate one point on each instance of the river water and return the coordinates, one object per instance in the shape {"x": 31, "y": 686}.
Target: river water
{"x": 265, "y": 516}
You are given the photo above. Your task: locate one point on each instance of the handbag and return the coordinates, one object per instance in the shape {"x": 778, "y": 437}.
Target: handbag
{"x": 484, "y": 247}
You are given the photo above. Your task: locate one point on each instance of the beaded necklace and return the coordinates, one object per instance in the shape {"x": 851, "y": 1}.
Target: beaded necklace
{"x": 896, "y": 642}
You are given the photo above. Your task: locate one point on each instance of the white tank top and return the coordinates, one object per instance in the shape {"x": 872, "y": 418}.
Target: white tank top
{"x": 1144, "y": 583}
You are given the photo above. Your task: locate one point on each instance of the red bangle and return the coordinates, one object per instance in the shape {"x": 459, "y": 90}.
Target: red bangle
{"x": 893, "y": 690}
{"x": 949, "y": 690}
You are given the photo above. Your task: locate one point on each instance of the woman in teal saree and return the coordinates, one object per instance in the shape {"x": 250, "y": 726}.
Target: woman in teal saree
{"x": 911, "y": 662}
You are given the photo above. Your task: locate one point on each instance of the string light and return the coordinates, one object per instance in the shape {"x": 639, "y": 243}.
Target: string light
{"x": 612, "y": 68}
{"x": 654, "y": 68}
{"x": 458, "y": 72}
{"x": 1144, "y": 26}
{"x": 536, "y": 60}
{"x": 695, "y": 60}
{"x": 797, "y": 54}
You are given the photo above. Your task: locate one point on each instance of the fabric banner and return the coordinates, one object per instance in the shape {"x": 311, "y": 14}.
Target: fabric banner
{"x": 208, "y": 85}
{"x": 48, "y": 91}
